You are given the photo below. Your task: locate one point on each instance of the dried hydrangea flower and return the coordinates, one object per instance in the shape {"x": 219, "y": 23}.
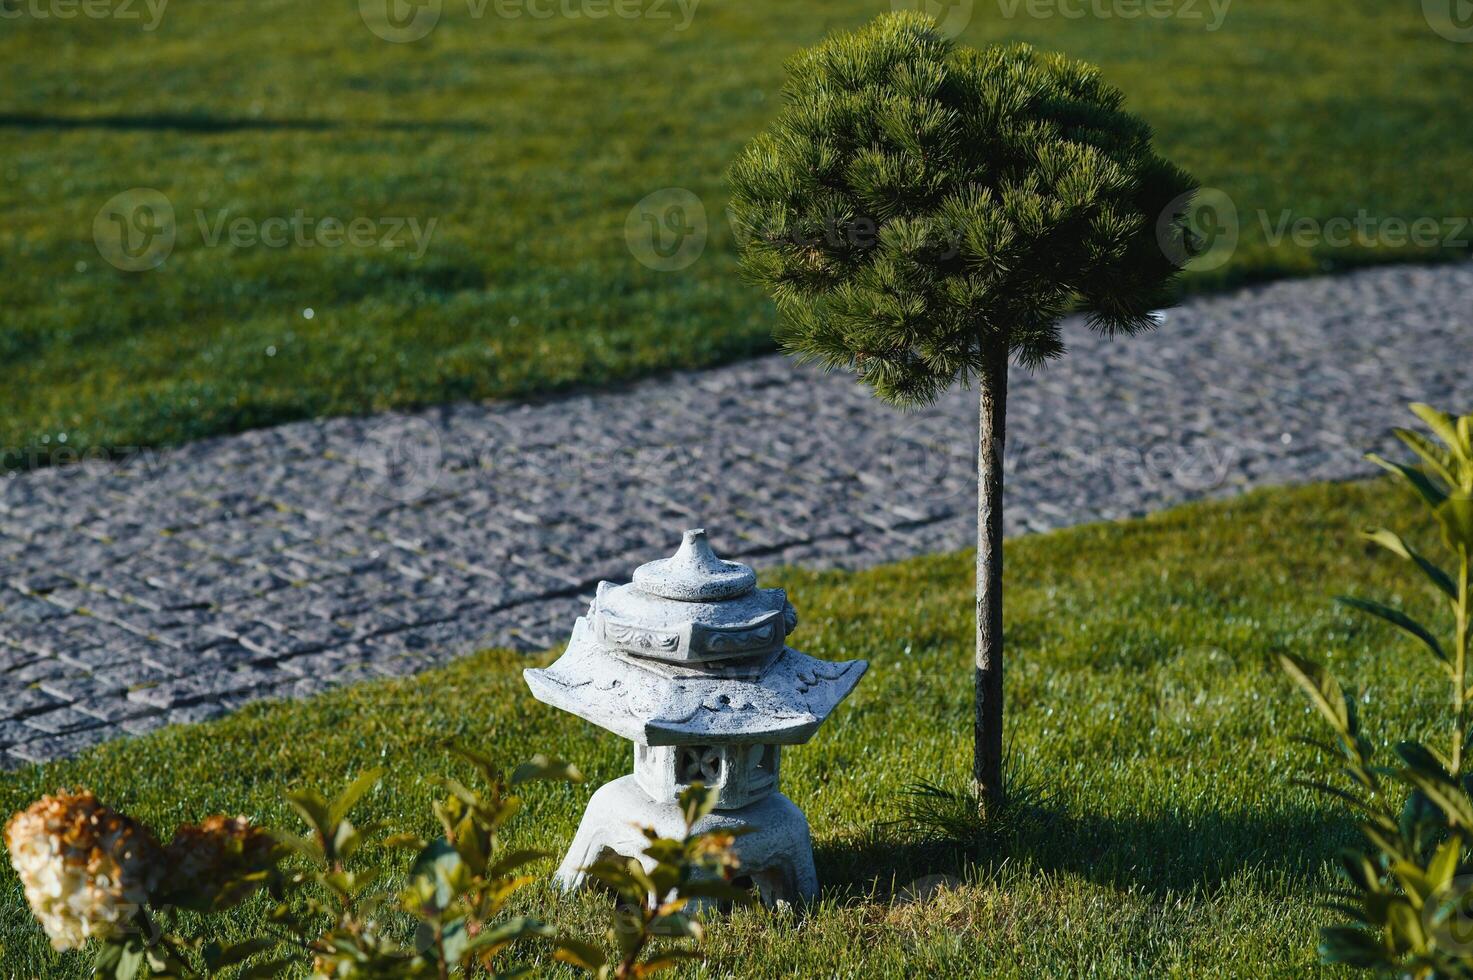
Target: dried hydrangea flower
{"x": 210, "y": 866}
{"x": 86, "y": 869}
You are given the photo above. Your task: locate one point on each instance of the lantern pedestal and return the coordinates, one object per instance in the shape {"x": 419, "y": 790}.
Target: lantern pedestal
{"x": 775, "y": 852}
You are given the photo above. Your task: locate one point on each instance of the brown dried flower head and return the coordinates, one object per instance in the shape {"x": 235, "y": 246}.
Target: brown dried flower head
{"x": 86, "y": 869}
{"x": 218, "y": 863}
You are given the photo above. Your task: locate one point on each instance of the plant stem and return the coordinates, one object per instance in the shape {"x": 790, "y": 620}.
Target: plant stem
{"x": 991, "y": 431}
{"x": 1460, "y": 667}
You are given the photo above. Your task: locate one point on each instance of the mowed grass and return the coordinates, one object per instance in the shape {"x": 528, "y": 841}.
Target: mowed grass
{"x": 520, "y": 145}
{"x": 1142, "y": 700}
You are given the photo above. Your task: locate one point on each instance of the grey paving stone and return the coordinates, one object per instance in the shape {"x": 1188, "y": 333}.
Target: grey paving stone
{"x": 48, "y": 747}
{"x": 59, "y": 721}
{"x": 176, "y": 586}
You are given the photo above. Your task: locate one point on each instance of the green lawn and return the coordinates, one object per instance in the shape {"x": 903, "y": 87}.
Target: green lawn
{"x": 1142, "y": 699}
{"x": 527, "y": 142}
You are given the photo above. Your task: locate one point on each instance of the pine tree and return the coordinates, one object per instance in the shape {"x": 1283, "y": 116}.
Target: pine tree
{"x": 924, "y": 213}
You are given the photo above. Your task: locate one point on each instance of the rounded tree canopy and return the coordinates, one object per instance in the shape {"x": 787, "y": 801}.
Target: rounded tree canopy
{"x": 919, "y": 209}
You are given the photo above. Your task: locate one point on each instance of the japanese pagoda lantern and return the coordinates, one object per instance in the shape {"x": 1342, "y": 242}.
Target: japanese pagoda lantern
{"x": 690, "y": 662}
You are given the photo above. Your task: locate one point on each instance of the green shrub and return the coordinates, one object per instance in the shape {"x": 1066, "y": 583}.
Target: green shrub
{"x": 91, "y": 873}
{"x": 1408, "y": 892}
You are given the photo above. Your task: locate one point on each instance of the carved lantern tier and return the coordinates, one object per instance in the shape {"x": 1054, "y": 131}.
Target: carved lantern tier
{"x": 690, "y": 662}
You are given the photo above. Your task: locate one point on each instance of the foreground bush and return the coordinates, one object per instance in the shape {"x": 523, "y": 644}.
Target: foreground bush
{"x": 91, "y": 873}
{"x": 1410, "y": 886}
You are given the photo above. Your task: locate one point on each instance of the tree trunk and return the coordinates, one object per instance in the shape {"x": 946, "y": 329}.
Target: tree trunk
{"x": 991, "y": 429}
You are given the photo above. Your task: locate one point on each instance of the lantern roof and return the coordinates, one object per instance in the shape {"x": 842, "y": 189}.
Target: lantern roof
{"x": 691, "y": 651}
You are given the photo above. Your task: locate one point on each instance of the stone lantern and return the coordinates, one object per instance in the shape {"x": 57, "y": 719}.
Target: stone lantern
{"x": 690, "y": 663}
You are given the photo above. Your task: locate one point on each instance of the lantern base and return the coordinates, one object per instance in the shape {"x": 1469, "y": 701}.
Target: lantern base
{"x": 776, "y": 854}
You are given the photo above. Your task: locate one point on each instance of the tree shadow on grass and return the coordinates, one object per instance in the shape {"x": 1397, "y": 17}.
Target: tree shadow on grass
{"x": 1153, "y": 854}
{"x": 192, "y": 122}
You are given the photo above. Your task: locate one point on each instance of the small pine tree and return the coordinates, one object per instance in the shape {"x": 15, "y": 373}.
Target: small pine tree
{"x": 924, "y": 213}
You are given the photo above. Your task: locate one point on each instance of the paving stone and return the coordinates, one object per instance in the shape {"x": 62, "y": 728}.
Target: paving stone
{"x": 48, "y": 747}
{"x": 25, "y": 701}
{"x": 143, "y": 724}
{"x": 280, "y": 562}
{"x": 61, "y": 720}
{"x": 203, "y": 686}
{"x": 114, "y": 709}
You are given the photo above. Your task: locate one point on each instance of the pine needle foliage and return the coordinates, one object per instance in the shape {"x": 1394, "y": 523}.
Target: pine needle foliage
{"x": 918, "y": 208}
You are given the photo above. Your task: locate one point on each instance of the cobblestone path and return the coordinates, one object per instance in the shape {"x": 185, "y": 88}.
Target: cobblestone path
{"x": 176, "y": 586}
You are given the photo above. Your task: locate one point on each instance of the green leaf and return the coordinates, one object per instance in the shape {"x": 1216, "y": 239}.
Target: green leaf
{"x": 455, "y": 940}
{"x": 1323, "y": 690}
{"x": 1455, "y": 514}
{"x": 1413, "y": 880}
{"x": 350, "y": 796}
{"x": 240, "y": 952}
{"x": 697, "y": 800}
{"x": 1442, "y": 425}
{"x": 677, "y": 925}
{"x": 130, "y": 962}
{"x": 1448, "y": 797}
{"x": 509, "y": 931}
{"x": 665, "y": 850}
{"x": 515, "y": 859}
{"x": 345, "y": 839}
{"x": 1393, "y": 543}
{"x": 313, "y": 807}
{"x": 1421, "y": 759}
{"x": 1406, "y": 925}
{"x": 616, "y": 874}
{"x": 1436, "y": 458}
{"x": 1398, "y": 619}
{"x": 585, "y": 956}
{"x": 441, "y": 864}
{"x": 406, "y": 841}
{"x": 1414, "y": 477}
{"x": 483, "y": 764}
{"x": 1444, "y": 864}
{"x": 541, "y": 767}
{"x": 299, "y": 845}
